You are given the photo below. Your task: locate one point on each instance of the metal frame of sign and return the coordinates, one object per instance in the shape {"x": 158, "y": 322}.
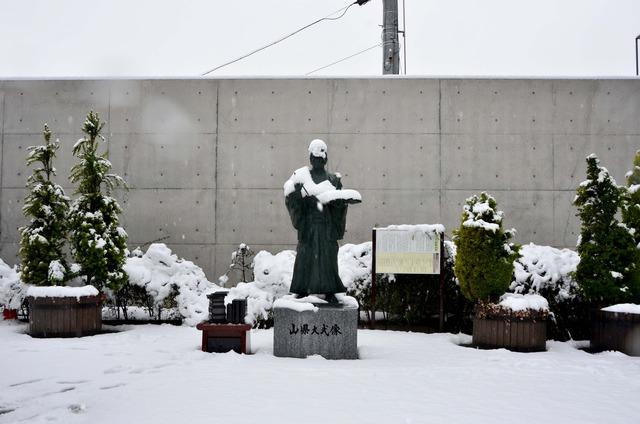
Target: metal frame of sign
{"x": 373, "y": 280}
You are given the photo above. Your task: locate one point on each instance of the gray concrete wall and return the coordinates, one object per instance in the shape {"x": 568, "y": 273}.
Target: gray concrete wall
{"x": 206, "y": 159}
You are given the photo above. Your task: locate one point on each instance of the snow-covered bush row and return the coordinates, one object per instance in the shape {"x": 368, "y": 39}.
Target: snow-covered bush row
{"x": 272, "y": 279}
{"x": 160, "y": 273}
{"x": 547, "y": 271}
{"x": 273, "y": 275}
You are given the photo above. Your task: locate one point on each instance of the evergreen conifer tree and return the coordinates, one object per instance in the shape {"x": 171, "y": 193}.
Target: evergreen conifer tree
{"x": 631, "y": 208}
{"x": 99, "y": 244}
{"x": 608, "y": 268}
{"x": 42, "y": 241}
{"x": 484, "y": 255}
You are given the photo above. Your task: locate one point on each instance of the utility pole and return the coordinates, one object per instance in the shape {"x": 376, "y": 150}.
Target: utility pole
{"x": 390, "y": 43}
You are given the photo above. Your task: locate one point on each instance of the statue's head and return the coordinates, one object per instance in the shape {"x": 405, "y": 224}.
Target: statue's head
{"x": 318, "y": 154}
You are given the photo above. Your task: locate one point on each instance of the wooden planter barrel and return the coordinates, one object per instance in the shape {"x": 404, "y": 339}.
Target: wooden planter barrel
{"x": 526, "y": 335}
{"x": 615, "y": 331}
{"x": 64, "y": 316}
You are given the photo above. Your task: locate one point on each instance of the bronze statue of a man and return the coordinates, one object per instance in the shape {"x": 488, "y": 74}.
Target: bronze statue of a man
{"x": 318, "y": 209}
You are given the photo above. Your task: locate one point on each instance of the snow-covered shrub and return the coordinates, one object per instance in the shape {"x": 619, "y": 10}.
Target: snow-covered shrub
{"x": 546, "y": 271}
{"x": 162, "y": 275}
{"x": 273, "y": 275}
{"x": 240, "y": 262}
{"x": 608, "y": 271}
{"x": 354, "y": 267}
{"x": 98, "y": 243}
{"x": 42, "y": 241}
{"x": 484, "y": 257}
{"x": 631, "y": 203}
{"x": 12, "y": 290}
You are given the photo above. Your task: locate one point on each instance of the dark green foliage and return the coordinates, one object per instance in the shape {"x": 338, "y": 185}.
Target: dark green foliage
{"x": 42, "y": 241}
{"x": 484, "y": 259}
{"x": 99, "y": 244}
{"x": 608, "y": 268}
{"x": 631, "y": 204}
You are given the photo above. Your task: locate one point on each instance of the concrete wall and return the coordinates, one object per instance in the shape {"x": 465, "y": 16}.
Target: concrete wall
{"x": 206, "y": 159}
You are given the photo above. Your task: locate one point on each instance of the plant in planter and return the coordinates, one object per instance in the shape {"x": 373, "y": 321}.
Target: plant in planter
{"x": 42, "y": 241}
{"x": 609, "y": 268}
{"x": 484, "y": 268}
{"x": 54, "y": 310}
{"x": 98, "y": 242}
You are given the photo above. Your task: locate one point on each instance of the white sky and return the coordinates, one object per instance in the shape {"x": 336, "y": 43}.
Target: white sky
{"x": 98, "y": 38}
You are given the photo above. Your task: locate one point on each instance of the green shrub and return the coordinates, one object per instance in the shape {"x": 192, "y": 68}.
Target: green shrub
{"x": 608, "y": 268}
{"x": 484, "y": 257}
{"x": 631, "y": 204}
{"x": 99, "y": 244}
{"x": 42, "y": 241}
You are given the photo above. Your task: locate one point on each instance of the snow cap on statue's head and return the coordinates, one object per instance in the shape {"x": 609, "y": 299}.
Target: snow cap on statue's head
{"x": 318, "y": 148}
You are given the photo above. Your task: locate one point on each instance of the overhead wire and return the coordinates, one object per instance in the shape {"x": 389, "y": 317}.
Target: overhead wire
{"x": 344, "y": 11}
{"x": 345, "y": 58}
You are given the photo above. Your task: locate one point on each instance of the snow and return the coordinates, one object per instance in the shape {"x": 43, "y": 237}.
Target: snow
{"x": 12, "y": 291}
{"x": 157, "y": 374}
{"x": 160, "y": 273}
{"x": 633, "y": 188}
{"x": 627, "y": 308}
{"x": 542, "y": 269}
{"x": 272, "y": 279}
{"x": 331, "y": 195}
{"x": 325, "y": 192}
{"x": 56, "y": 271}
{"x": 318, "y": 148}
{"x": 521, "y": 302}
{"x": 62, "y": 291}
{"x": 299, "y": 305}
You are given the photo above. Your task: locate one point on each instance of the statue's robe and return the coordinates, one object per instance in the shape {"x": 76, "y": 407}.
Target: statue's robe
{"x": 316, "y": 267}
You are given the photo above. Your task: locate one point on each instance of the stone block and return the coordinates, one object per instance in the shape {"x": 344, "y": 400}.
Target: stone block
{"x": 615, "y": 152}
{"x": 388, "y": 106}
{"x": 331, "y": 332}
{"x": 167, "y": 160}
{"x": 163, "y": 106}
{"x": 63, "y": 104}
{"x": 497, "y": 162}
{"x": 273, "y": 106}
{"x": 497, "y": 106}
{"x": 185, "y": 216}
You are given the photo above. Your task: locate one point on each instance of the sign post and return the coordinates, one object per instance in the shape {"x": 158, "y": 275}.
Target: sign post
{"x": 407, "y": 249}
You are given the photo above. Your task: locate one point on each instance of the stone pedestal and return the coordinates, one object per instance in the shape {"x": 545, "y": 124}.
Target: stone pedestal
{"x": 329, "y": 331}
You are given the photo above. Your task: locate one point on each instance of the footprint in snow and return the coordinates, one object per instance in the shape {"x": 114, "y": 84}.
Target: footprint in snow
{"x": 113, "y": 386}
{"x": 22, "y": 383}
{"x": 77, "y": 408}
{"x": 115, "y": 370}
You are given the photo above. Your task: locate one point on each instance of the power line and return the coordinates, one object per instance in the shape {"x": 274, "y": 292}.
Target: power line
{"x": 345, "y": 58}
{"x": 344, "y": 10}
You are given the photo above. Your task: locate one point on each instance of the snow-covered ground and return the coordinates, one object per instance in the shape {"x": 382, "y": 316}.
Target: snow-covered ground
{"x": 157, "y": 374}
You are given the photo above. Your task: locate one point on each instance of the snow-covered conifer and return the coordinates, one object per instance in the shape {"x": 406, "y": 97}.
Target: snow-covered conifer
{"x": 42, "y": 241}
{"x": 99, "y": 244}
{"x": 608, "y": 269}
{"x": 484, "y": 255}
{"x": 631, "y": 204}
